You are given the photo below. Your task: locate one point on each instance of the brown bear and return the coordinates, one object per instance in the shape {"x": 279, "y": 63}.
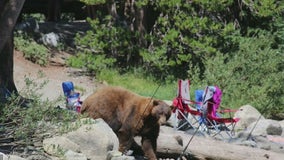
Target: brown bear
{"x": 129, "y": 115}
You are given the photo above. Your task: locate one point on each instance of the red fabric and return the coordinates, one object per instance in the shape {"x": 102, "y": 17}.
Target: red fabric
{"x": 223, "y": 120}
{"x": 228, "y": 110}
{"x": 184, "y": 108}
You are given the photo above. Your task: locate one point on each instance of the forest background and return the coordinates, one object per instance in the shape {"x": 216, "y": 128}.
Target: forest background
{"x": 237, "y": 45}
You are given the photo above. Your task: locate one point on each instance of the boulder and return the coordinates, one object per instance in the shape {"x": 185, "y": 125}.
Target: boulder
{"x": 14, "y": 157}
{"x": 282, "y": 125}
{"x": 93, "y": 139}
{"x": 116, "y": 155}
{"x": 74, "y": 155}
{"x": 270, "y": 142}
{"x": 10, "y": 157}
{"x": 3, "y": 156}
{"x": 58, "y": 145}
{"x": 50, "y": 39}
{"x": 265, "y": 127}
{"x": 247, "y": 115}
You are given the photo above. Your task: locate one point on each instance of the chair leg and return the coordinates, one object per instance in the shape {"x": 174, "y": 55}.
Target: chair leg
{"x": 184, "y": 117}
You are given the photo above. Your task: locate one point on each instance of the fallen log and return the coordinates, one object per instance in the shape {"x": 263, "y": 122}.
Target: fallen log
{"x": 168, "y": 145}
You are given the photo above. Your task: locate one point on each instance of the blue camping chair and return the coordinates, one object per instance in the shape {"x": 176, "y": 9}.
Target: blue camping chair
{"x": 73, "y": 101}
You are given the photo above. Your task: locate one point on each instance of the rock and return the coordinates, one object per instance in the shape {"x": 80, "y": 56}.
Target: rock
{"x": 248, "y": 143}
{"x": 70, "y": 155}
{"x": 116, "y": 155}
{"x": 50, "y": 39}
{"x": 276, "y": 139}
{"x": 247, "y": 115}
{"x": 265, "y": 127}
{"x": 10, "y": 157}
{"x": 282, "y": 125}
{"x": 270, "y": 142}
{"x": 169, "y": 143}
{"x": 34, "y": 156}
{"x": 267, "y": 142}
{"x": 57, "y": 146}
{"x": 14, "y": 157}
{"x": 30, "y": 26}
{"x": 93, "y": 139}
{"x": 3, "y": 156}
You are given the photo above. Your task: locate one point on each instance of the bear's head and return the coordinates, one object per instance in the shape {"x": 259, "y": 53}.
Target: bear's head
{"x": 161, "y": 110}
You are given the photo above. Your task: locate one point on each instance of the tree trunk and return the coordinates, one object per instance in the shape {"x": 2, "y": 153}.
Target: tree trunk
{"x": 54, "y": 10}
{"x": 9, "y": 15}
{"x": 10, "y": 10}
{"x": 6, "y": 66}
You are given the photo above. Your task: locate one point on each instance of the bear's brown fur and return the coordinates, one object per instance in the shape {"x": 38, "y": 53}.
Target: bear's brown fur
{"x": 129, "y": 115}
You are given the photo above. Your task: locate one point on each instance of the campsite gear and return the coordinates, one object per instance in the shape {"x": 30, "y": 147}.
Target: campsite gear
{"x": 185, "y": 113}
{"x": 214, "y": 123}
{"x": 203, "y": 114}
{"x": 73, "y": 101}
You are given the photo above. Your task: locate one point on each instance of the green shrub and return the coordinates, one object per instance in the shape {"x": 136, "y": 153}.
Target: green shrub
{"x": 252, "y": 75}
{"x": 93, "y": 63}
{"x": 33, "y": 51}
{"x": 40, "y": 119}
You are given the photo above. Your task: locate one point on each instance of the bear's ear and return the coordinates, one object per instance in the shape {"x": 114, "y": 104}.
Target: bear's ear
{"x": 172, "y": 107}
{"x": 156, "y": 102}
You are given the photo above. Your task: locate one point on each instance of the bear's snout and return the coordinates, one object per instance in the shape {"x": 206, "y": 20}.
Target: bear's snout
{"x": 162, "y": 120}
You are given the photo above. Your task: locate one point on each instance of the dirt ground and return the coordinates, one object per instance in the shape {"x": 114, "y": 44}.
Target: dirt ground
{"x": 55, "y": 73}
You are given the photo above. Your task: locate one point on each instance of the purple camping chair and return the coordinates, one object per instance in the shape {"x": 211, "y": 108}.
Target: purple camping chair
{"x": 211, "y": 112}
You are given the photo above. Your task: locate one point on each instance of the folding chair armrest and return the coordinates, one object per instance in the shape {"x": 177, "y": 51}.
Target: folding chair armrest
{"x": 227, "y": 110}
{"x": 223, "y": 120}
{"x": 197, "y": 113}
{"x": 194, "y": 102}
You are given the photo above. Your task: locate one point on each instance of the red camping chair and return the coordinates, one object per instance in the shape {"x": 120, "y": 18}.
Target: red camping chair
{"x": 211, "y": 114}
{"x": 185, "y": 114}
